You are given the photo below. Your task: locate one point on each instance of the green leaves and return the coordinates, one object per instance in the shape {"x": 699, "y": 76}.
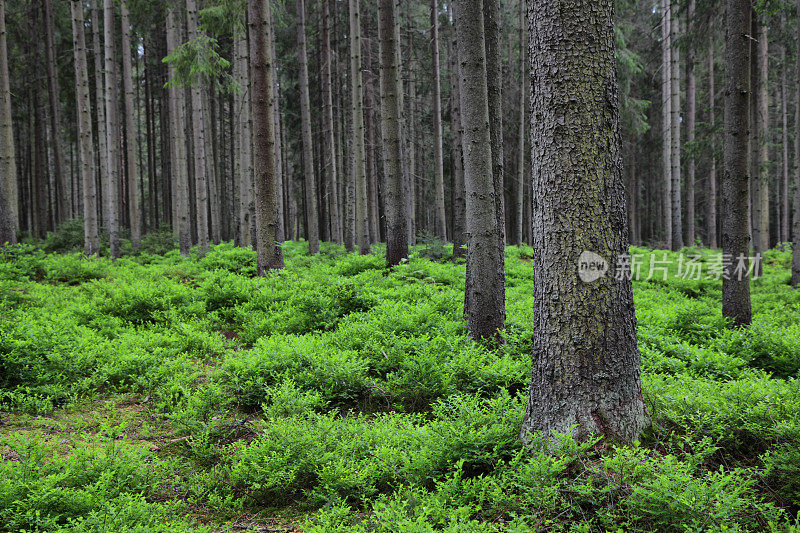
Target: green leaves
{"x": 197, "y": 62}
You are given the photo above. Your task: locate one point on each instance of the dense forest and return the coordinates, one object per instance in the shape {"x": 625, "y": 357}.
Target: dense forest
{"x": 394, "y": 265}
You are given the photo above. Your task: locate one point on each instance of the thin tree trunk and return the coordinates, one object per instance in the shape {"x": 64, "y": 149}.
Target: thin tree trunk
{"x": 760, "y": 107}
{"x": 131, "y": 141}
{"x": 485, "y": 290}
{"x": 675, "y": 135}
{"x": 438, "y": 164}
{"x": 62, "y": 204}
{"x": 305, "y": 118}
{"x": 784, "y": 185}
{"x": 521, "y": 146}
{"x": 372, "y": 167}
{"x": 690, "y": 123}
{"x": 112, "y": 127}
{"x": 199, "y": 142}
{"x": 269, "y": 253}
{"x": 666, "y": 117}
{"x": 711, "y": 213}
{"x": 588, "y": 382}
{"x": 391, "y": 106}
{"x": 459, "y": 201}
{"x": 796, "y": 198}
{"x": 357, "y": 109}
{"x": 735, "y": 186}
{"x": 177, "y": 155}
{"x": 330, "y": 142}
{"x": 85, "y": 144}
{"x": 9, "y": 216}
{"x": 494, "y": 75}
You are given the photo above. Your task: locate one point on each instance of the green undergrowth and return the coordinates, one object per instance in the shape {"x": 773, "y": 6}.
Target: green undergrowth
{"x": 338, "y": 395}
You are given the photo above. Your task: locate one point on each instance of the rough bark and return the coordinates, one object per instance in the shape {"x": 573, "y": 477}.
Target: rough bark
{"x": 131, "y": 140}
{"x": 485, "y": 289}
{"x": 690, "y": 123}
{"x": 391, "y": 102}
{"x": 177, "y": 155}
{"x": 675, "y": 135}
{"x": 9, "y": 216}
{"x": 85, "y": 142}
{"x": 711, "y": 194}
{"x": 330, "y": 144}
{"x": 459, "y": 202}
{"x": 494, "y": 82}
{"x": 112, "y": 127}
{"x": 312, "y": 219}
{"x": 440, "y": 220}
{"x": 269, "y": 253}
{"x": 586, "y": 364}
{"x": 735, "y": 178}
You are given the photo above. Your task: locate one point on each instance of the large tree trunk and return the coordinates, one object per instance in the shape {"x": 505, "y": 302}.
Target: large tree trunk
{"x": 269, "y": 253}
{"x": 85, "y": 144}
{"x": 521, "y": 146}
{"x": 330, "y": 144}
{"x": 666, "y": 118}
{"x": 112, "y": 127}
{"x": 177, "y": 155}
{"x": 391, "y": 102}
{"x": 62, "y": 192}
{"x": 690, "y": 123}
{"x": 784, "y": 185}
{"x": 711, "y": 206}
{"x": 131, "y": 141}
{"x": 199, "y": 142}
{"x": 357, "y": 108}
{"x": 440, "y": 220}
{"x": 9, "y": 217}
{"x": 675, "y": 135}
{"x": 312, "y": 220}
{"x": 485, "y": 289}
{"x": 586, "y": 365}
{"x": 735, "y": 186}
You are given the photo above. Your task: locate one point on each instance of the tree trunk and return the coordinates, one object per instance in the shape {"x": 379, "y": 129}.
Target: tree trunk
{"x": 440, "y": 219}
{"x": 690, "y": 123}
{"x": 100, "y": 110}
{"x": 796, "y": 198}
{"x": 459, "y": 202}
{"x": 112, "y": 127}
{"x": 269, "y": 253}
{"x": 666, "y": 117}
{"x": 85, "y": 144}
{"x": 391, "y": 102}
{"x": 675, "y": 135}
{"x": 485, "y": 289}
{"x": 199, "y": 142}
{"x": 759, "y": 148}
{"x": 711, "y": 213}
{"x": 62, "y": 204}
{"x": 521, "y": 146}
{"x": 330, "y": 142}
{"x": 735, "y": 186}
{"x": 784, "y": 185}
{"x": 494, "y": 75}
{"x": 131, "y": 141}
{"x": 372, "y": 167}
{"x": 586, "y": 365}
{"x": 312, "y": 219}
{"x": 243, "y": 139}
{"x": 9, "y": 216}
{"x": 357, "y": 109}
{"x": 177, "y": 155}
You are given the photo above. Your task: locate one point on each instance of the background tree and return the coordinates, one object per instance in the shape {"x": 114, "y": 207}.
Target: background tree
{"x": 9, "y": 218}
{"x": 359, "y": 162}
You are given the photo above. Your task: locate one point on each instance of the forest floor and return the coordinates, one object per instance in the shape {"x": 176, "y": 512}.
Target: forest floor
{"x": 161, "y": 393}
